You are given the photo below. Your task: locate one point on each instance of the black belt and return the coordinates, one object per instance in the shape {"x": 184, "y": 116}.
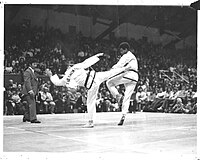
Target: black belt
{"x": 86, "y": 80}
{"x": 133, "y": 71}
{"x": 131, "y": 78}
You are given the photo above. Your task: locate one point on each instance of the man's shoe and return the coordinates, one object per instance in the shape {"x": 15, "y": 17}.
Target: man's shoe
{"x": 121, "y": 121}
{"x": 89, "y": 125}
{"x": 26, "y": 120}
{"x": 160, "y": 109}
{"x": 35, "y": 121}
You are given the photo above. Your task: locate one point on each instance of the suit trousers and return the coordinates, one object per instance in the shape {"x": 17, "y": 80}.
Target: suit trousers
{"x": 30, "y": 109}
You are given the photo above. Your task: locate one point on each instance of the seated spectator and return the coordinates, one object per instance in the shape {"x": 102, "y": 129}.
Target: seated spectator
{"x": 16, "y": 103}
{"x": 151, "y": 96}
{"x": 81, "y": 103}
{"x": 182, "y": 93}
{"x": 57, "y": 97}
{"x": 9, "y": 103}
{"x": 159, "y": 100}
{"x": 5, "y": 101}
{"x": 113, "y": 105}
{"x": 73, "y": 97}
{"x": 141, "y": 98}
{"x": 133, "y": 103}
{"x": 106, "y": 101}
{"x": 10, "y": 85}
{"x": 67, "y": 107}
{"x": 169, "y": 100}
{"x": 47, "y": 100}
{"x": 99, "y": 102}
{"x": 179, "y": 107}
{"x": 192, "y": 103}
{"x": 8, "y": 69}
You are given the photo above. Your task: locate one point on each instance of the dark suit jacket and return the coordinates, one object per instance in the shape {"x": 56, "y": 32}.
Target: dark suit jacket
{"x": 30, "y": 82}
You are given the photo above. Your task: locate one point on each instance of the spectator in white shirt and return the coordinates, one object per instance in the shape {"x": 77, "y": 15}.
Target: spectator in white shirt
{"x": 141, "y": 98}
{"x": 47, "y": 100}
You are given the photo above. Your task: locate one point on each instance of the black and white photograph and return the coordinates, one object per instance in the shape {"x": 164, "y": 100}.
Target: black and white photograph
{"x": 99, "y": 81}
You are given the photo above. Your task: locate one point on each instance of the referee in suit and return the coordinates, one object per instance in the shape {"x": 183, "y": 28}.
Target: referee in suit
{"x": 30, "y": 89}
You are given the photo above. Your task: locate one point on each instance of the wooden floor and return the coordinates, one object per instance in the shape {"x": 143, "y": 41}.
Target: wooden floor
{"x": 142, "y": 134}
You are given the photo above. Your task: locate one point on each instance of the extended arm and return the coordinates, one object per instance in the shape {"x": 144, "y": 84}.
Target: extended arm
{"x": 90, "y": 61}
{"x": 124, "y": 60}
{"x": 57, "y": 81}
{"x": 64, "y": 81}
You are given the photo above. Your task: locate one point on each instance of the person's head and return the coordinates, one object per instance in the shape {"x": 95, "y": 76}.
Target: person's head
{"x": 124, "y": 47}
{"x": 140, "y": 89}
{"x": 21, "y": 60}
{"x": 19, "y": 86}
{"x": 46, "y": 89}
{"x": 33, "y": 63}
{"x": 13, "y": 90}
{"x": 179, "y": 100}
{"x": 10, "y": 82}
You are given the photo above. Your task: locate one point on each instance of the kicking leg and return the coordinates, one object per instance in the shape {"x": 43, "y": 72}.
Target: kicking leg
{"x": 112, "y": 83}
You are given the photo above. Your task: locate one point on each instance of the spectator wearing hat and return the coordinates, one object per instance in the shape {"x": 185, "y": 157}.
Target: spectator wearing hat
{"x": 30, "y": 90}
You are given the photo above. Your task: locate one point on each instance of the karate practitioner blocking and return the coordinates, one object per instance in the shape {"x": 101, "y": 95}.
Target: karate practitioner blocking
{"x": 80, "y": 75}
{"x": 129, "y": 79}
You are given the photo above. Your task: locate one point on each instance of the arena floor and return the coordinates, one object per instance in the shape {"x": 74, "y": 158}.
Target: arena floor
{"x": 142, "y": 134}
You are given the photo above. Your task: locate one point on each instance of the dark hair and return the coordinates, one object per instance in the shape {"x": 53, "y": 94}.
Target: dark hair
{"x": 124, "y": 45}
{"x": 32, "y": 60}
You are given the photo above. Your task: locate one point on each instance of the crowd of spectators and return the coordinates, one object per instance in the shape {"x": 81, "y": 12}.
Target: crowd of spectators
{"x": 173, "y": 92}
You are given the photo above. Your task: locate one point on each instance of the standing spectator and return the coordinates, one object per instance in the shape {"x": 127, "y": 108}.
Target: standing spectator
{"x": 30, "y": 90}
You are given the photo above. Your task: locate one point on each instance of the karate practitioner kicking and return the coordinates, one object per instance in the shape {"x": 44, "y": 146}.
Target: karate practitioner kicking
{"x": 129, "y": 79}
{"x": 80, "y": 75}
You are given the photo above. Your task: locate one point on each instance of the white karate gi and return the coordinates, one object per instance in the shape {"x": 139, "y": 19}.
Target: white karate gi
{"x": 129, "y": 79}
{"x": 77, "y": 76}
